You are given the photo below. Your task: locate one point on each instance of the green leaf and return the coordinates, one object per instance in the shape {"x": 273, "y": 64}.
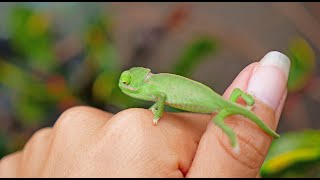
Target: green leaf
{"x": 302, "y": 58}
{"x": 293, "y": 151}
{"x": 193, "y": 55}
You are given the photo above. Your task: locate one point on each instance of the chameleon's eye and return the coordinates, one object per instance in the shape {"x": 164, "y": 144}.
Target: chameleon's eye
{"x": 125, "y": 78}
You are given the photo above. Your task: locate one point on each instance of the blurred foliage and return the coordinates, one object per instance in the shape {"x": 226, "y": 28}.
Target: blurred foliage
{"x": 32, "y": 37}
{"x": 295, "y": 154}
{"x": 302, "y": 69}
{"x": 193, "y": 55}
{"x": 3, "y": 145}
{"x": 30, "y": 93}
{"x": 102, "y": 58}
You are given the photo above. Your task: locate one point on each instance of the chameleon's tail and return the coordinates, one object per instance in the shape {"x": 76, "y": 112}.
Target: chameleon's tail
{"x": 251, "y": 116}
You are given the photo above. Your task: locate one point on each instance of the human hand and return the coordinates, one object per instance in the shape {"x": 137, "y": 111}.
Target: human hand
{"x": 87, "y": 142}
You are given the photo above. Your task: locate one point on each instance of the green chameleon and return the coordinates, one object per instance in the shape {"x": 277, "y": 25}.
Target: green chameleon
{"x": 186, "y": 94}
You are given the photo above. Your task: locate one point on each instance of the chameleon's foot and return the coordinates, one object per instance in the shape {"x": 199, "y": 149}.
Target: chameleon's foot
{"x": 236, "y": 93}
{"x": 249, "y": 107}
{"x": 155, "y": 121}
{"x": 236, "y": 149}
{"x": 218, "y": 120}
{"x": 158, "y": 108}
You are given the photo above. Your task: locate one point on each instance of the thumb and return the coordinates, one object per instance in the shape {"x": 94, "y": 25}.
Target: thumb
{"x": 266, "y": 81}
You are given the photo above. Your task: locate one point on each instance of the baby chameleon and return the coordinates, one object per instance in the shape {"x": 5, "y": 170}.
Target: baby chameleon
{"x": 189, "y": 95}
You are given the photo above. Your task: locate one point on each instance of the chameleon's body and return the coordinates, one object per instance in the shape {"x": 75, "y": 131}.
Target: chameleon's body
{"x": 186, "y": 94}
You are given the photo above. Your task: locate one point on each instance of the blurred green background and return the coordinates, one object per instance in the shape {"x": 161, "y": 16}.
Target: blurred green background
{"x": 54, "y": 56}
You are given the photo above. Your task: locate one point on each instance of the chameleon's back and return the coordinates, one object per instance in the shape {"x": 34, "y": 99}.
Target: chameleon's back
{"x": 184, "y": 93}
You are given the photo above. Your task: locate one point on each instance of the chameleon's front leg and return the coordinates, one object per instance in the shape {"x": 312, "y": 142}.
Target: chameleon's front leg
{"x": 236, "y": 93}
{"x": 158, "y": 107}
{"x": 219, "y": 121}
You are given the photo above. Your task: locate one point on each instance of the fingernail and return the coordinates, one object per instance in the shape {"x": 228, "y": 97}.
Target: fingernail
{"x": 269, "y": 79}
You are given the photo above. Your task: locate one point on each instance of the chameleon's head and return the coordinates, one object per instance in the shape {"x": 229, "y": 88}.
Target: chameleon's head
{"x": 131, "y": 80}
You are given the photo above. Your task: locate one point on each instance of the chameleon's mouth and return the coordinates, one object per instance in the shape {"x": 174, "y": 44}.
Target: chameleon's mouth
{"x": 127, "y": 87}
{"x": 130, "y": 88}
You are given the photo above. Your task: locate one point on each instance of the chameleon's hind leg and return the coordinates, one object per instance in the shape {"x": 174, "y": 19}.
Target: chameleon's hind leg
{"x": 236, "y": 93}
{"x": 158, "y": 107}
{"x": 219, "y": 121}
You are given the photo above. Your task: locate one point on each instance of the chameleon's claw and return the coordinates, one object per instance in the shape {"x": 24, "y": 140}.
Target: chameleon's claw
{"x": 236, "y": 149}
{"x": 155, "y": 121}
{"x": 249, "y": 107}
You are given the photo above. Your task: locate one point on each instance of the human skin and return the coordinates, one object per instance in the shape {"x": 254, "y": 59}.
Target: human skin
{"x": 88, "y": 142}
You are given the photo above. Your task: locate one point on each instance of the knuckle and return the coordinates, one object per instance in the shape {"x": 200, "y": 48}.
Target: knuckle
{"x": 133, "y": 117}
{"x": 8, "y": 165}
{"x": 37, "y": 138}
{"x": 37, "y": 143}
{"x": 129, "y": 123}
{"x": 71, "y": 117}
{"x": 79, "y": 124}
{"x": 72, "y": 125}
{"x": 41, "y": 134}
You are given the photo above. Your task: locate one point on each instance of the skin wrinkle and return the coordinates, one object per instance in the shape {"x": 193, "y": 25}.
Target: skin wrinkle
{"x": 194, "y": 139}
{"x": 264, "y": 110}
{"x": 164, "y": 133}
{"x": 237, "y": 124}
{"x": 231, "y": 154}
{"x": 234, "y": 125}
{"x": 251, "y": 158}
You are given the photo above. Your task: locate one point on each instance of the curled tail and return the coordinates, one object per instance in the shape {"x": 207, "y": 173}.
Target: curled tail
{"x": 237, "y": 109}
